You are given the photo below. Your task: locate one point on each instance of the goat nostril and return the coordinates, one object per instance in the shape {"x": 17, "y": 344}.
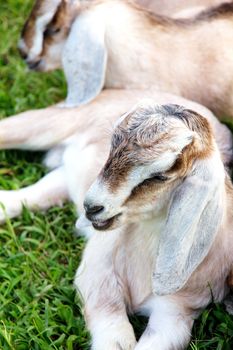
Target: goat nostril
{"x": 33, "y": 65}
{"x": 23, "y": 55}
{"x": 93, "y": 209}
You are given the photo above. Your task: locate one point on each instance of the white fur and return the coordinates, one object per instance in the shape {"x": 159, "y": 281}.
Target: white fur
{"x": 165, "y": 318}
{"x": 113, "y": 334}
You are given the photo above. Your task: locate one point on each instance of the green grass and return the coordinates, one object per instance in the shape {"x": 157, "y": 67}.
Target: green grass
{"x": 39, "y": 253}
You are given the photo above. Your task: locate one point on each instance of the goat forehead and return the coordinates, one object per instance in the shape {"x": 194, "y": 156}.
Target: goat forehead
{"x": 131, "y": 169}
{"x": 147, "y": 134}
{"x": 143, "y": 141}
{"x": 133, "y": 157}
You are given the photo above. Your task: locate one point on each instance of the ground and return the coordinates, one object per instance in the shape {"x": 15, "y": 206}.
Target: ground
{"x": 39, "y": 252}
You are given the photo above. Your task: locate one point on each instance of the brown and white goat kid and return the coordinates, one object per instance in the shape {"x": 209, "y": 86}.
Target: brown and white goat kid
{"x": 165, "y": 200}
{"x": 115, "y": 44}
{"x": 78, "y": 141}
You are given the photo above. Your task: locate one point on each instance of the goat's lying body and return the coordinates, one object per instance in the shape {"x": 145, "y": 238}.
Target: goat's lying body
{"x": 78, "y": 140}
{"x": 123, "y": 269}
{"x": 114, "y": 44}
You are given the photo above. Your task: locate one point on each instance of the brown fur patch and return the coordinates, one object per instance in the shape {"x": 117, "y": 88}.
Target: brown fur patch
{"x": 117, "y": 166}
{"x": 197, "y": 123}
{"x": 28, "y": 31}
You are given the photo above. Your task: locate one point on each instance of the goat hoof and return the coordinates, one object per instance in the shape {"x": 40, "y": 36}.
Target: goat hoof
{"x": 228, "y": 302}
{"x": 10, "y": 206}
{"x": 119, "y": 337}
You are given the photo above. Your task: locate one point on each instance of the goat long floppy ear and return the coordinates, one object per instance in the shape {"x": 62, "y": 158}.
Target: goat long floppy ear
{"x": 84, "y": 59}
{"x": 193, "y": 220}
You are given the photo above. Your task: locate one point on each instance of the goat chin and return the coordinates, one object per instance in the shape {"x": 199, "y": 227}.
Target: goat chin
{"x": 79, "y": 141}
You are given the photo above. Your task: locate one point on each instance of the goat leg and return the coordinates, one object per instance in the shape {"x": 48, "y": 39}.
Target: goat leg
{"x": 103, "y": 298}
{"x": 50, "y": 190}
{"x": 38, "y": 129}
{"x": 169, "y": 325}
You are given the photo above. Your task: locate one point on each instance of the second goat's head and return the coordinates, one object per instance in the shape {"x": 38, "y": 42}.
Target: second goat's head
{"x": 45, "y": 32}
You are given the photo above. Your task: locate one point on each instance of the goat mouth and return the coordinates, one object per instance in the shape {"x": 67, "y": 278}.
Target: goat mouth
{"x": 105, "y": 224}
{"x": 36, "y": 66}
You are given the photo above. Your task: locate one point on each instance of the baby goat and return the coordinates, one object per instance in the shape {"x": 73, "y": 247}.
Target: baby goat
{"x": 165, "y": 200}
{"x": 115, "y": 44}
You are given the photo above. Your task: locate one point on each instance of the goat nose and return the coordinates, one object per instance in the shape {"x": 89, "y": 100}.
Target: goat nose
{"x": 33, "y": 65}
{"x": 93, "y": 209}
{"x": 23, "y": 54}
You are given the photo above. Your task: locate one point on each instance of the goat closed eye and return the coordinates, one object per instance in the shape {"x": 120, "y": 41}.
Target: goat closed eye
{"x": 51, "y": 31}
{"x": 158, "y": 177}
{"x": 154, "y": 178}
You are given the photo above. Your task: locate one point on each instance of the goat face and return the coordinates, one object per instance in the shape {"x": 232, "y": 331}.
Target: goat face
{"x": 44, "y": 34}
{"x": 152, "y": 151}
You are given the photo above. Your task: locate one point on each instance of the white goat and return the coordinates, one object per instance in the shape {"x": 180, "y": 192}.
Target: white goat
{"x": 115, "y": 44}
{"x": 78, "y": 140}
{"x": 165, "y": 200}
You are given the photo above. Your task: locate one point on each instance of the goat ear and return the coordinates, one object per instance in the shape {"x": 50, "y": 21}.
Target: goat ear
{"x": 192, "y": 222}
{"x": 84, "y": 60}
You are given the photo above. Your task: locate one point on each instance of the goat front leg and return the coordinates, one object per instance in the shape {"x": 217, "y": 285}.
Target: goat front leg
{"x": 50, "y": 190}
{"x": 169, "y": 325}
{"x": 40, "y": 129}
{"x": 103, "y": 298}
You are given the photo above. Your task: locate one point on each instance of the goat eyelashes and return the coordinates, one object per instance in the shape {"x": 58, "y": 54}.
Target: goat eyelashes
{"x": 157, "y": 178}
